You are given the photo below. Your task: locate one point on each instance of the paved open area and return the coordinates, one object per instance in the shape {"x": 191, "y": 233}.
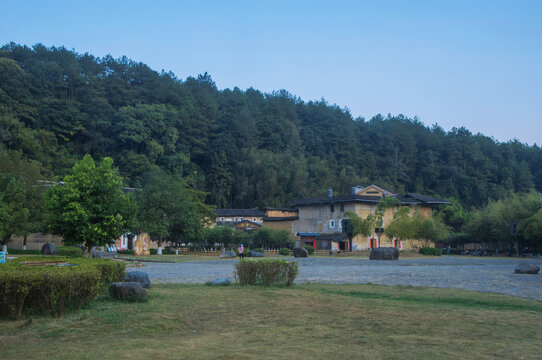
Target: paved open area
{"x": 472, "y": 273}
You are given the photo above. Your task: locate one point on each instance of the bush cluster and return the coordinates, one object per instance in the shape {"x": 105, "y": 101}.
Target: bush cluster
{"x": 284, "y": 251}
{"x": 53, "y": 289}
{"x": 266, "y": 272}
{"x": 23, "y": 252}
{"x": 69, "y": 251}
{"x": 431, "y": 251}
{"x": 125, "y": 252}
{"x": 164, "y": 252}
{"x": 309, "y": 248}
{"x": 453, "y": 251}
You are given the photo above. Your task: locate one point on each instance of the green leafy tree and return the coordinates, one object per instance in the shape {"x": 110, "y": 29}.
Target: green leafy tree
{"x": 21, "y": 195}
{"x": 455, "y": 215}
{"x": 360, "y": 226}
{"x": 224, "y": 235}
{"x": 402, "y": 226}
{"x": 431, "y": 229}
{"x": 531, "y": 230}
{"x": 170, "y": 210}
{"x": 89, "y": 207}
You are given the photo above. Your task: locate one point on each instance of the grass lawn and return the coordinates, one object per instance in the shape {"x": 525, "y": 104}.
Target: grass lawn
{"x": 303, "y": 322}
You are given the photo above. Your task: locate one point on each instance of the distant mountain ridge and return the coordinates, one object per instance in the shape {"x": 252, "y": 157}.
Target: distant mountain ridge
{"x": 245, "y": 148}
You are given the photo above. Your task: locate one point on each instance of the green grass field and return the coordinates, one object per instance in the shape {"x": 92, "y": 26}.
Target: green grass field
{"x": 303, "y": 322}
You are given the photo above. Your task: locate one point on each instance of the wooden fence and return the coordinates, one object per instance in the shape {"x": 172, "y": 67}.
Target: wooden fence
{"x": 213, "y": 252}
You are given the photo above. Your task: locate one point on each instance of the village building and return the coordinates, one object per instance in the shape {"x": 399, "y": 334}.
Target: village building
{"x": 241, "y": 219}
{"x": 280, "y": 218}
{"x": 320, "y": 222}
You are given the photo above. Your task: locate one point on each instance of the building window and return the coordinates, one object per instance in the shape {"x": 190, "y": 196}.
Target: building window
{"x": 221, "y": 219}
{"x": 342, "y": 207}
{"x": 235, "y": 219}
{"x": 253, "y": 219}
{"x": 242, "y": 219}
{"x": 332, "y": 208}
{"x": 332, "y": 224}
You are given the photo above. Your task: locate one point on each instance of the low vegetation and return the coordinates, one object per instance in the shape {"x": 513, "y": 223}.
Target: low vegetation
{"x": 303, "y": 321}
{"x": 267, "y": 272}
{"x": 430, "y": 251}
{"x": 309, "y": 248}
{"x": 30, "y": 288}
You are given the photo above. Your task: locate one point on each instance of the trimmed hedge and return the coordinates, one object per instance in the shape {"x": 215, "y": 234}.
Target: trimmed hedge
{"x": 267, "y": 272}
{"x": 53, "y": 289}
{"x": 69, "y": 251}
{"x": 431, "y": 251}
{"x": 46, "y": 289}
{"x": 23, "y": 252}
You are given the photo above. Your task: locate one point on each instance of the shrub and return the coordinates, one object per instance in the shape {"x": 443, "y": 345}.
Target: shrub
{"x": 455, "y": 251}
{"x": 258, "y": 250}
{"x": 45, "y": 289}
{"x": 266, "y": 272}
{"x": 247, "y": 272}
{"x": 125, "y": 252}
{"x": 24, "y": 252}
{"x": 309, "y": 248}
{"x": 164, "y": 252}
{"x": 110, "y": 270}
{"x": 284, "y": 251}
{"x": 70, "y": 251}
{"x": 431, "y": 251}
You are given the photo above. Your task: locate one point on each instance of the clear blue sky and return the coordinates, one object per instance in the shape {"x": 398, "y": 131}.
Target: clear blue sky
{"x": 476, "y": 64}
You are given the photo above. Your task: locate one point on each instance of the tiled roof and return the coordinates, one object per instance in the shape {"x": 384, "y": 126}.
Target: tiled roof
{"x": 239, "y": 212}
{"x": 282, "y": 209}
{"x": 307, "y": 234}
{"x": 284, "y": 218}
{"x": 409, "y": 199}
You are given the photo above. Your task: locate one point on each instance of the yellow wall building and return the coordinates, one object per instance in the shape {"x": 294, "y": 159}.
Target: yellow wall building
{"x": 322, "y": 218}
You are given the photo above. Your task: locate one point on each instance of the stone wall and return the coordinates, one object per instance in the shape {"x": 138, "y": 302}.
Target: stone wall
{"x": 34, "y": 241}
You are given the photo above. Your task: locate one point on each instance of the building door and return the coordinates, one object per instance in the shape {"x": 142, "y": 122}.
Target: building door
{"x": 373, "y": 243}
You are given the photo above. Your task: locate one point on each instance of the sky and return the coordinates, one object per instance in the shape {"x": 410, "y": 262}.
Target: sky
{"x": 473, "y": 64}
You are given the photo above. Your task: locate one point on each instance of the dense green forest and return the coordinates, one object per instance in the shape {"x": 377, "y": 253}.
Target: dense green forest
{"x": 245, "y": 148}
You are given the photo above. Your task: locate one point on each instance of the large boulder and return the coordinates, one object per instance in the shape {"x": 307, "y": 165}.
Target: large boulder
{"x": 228, "y": 254}
{"x": 255, "y": 254}
{"x": 140, "y": 277}
{"x": 525, "y": 268}
{"x": 384, "y": 253}
{"x": 300, "y": 252}
{"x": 127, "y": 291}
{"x": 49, "y": 249}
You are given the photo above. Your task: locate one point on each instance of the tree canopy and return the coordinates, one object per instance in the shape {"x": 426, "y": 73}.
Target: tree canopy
{"x": 244, "y": 148}
{"x": 89, "y": 207}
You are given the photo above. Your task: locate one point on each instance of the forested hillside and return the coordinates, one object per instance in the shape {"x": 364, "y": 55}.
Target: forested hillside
{"x": 245, "y": 148}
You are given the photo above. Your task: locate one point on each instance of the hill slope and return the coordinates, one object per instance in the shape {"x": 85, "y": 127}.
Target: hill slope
{"x": 244, "y": 147}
